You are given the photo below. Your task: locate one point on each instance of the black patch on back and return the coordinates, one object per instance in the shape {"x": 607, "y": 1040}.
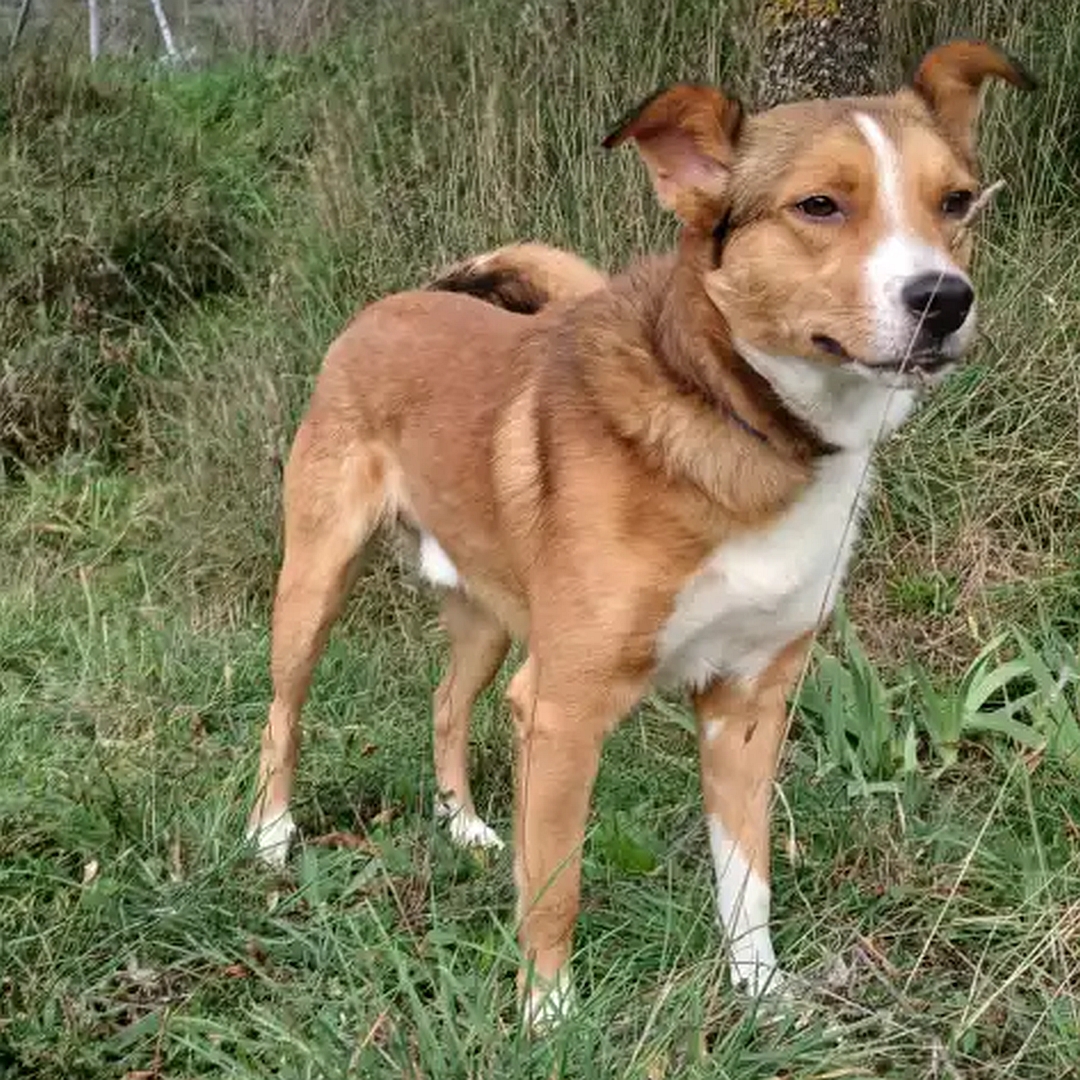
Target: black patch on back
{"x": 504, "y": 288}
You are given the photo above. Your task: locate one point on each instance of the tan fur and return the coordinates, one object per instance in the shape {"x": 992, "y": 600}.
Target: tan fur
{"x": 522, "y": 278}
{"x": 478, "y": 646}
{"x": 950, "y": 80}
{"x": 560, "y": 274}
{"x": 782, "y": 263}
{"x": 741, "y": 730}
{"x": 578, "y": 465}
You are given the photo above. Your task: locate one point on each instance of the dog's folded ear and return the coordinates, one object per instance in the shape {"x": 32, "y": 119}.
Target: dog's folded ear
{"x": 686, "y": 136}
{"x": 950, "y": 79}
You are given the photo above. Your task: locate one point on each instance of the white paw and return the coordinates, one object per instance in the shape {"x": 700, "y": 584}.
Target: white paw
{"x": 273, "y": 838}
{"x": 467, "y": 828}
{"x": 547, "y": 1007}
{"x": 757, "y": 978}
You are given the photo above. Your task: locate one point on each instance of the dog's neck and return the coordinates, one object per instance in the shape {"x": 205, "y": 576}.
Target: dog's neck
{"x": 800, "y": 407}
{"x": 654, "y": 362}
{"x": 694, "y": 344}
{"x": 849, "y": 410}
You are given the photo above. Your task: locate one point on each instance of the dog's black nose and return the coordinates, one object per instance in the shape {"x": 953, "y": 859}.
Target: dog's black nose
{"x": 942, "y": 301}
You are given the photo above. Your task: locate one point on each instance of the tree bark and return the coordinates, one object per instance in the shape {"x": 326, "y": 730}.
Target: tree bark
{"x": 812, "y": 48}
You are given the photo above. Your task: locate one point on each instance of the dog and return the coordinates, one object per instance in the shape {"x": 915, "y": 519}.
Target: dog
{"x": 650, "y": 480}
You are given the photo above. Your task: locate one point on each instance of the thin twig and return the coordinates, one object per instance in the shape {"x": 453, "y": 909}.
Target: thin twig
{"x": 20, "y": 22}
{"x": 964, "y": 866}
{"x": 792, "y": 839}
{"x": 163, "y": 26}
{"x": 976, "y": 208}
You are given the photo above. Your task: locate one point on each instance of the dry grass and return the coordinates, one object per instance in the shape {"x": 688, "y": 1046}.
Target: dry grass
{"x": 934, "y": 904}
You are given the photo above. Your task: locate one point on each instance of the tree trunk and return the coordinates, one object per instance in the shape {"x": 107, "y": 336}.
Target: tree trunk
{"x": 812, "y": 48}
{"x": 95, "y": 29}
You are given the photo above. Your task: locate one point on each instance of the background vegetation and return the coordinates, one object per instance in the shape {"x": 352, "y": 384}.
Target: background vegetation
{"x": 177, "y": 248}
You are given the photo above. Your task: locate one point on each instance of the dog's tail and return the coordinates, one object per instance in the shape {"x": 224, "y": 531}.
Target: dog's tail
{"x": 522, "y": 277}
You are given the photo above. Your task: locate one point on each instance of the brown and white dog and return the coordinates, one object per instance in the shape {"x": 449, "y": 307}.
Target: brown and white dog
{"x": 650, "y": 480}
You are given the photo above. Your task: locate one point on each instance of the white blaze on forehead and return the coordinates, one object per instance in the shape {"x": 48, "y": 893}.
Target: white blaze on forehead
{"x": 899, "y": 254}
{"x": 889, "y": 174}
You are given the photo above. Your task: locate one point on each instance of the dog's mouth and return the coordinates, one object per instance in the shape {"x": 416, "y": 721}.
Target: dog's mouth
{"x": 917, "y": 363}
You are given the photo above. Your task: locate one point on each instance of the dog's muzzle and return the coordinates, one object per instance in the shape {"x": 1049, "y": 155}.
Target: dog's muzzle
{"x": 940, "y": 304}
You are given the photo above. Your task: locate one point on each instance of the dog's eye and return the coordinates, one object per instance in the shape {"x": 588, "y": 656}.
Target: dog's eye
{"x": 820, "y": 207}
{"x": 957, "y": 203}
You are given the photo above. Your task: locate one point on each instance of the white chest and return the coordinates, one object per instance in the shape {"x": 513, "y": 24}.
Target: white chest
{"x": 756, "y": 593}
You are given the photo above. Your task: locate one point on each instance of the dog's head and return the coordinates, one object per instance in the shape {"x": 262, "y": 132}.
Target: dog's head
{"x": 836, "y": 225}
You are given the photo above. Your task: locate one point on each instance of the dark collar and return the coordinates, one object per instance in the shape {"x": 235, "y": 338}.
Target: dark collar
{"x": 720, "y": 235}
{"x": 807, "y": 439}
{"x": 742, "y": 422}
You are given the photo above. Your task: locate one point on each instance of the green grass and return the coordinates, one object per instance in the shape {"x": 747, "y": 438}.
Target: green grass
{"x": 176, "y": 250}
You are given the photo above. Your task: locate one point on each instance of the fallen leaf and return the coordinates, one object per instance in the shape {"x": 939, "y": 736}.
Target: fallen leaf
{"x": 235, "y": 971}
{"x": 353, "y": 841}
{"x": 90, "y": 871}
{"x": 876, "y": 952}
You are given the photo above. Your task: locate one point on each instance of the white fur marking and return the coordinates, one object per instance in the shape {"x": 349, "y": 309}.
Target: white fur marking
{"x": 435, "y": 564}
{"x": 757, "y": 592}
{"x": 898, "y": 257}
{"x": 843, "y": 405}
{"x": 467, "y": 828}
{"x": 742, "y": 899}
{"x": 714, "y": 729}
{"x": 273, "y": 839}
{"x": 890, "y": 176}
{"x": 548, "y": 1006}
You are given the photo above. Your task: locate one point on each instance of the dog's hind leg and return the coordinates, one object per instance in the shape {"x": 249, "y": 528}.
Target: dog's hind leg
{"x": 478, "y": 645}
{"x": 337, "y": 489}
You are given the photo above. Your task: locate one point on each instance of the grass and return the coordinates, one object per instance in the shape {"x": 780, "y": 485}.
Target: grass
{"x": 177, "y": 248}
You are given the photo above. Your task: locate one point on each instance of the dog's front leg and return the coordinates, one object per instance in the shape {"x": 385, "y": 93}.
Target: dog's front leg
{"x": 559, "y": 742}
{"x": 741, "y": 728}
